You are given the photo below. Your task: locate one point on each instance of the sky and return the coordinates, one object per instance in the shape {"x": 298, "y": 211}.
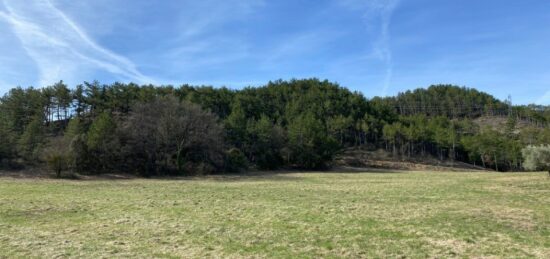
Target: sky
{"x": 377, "y": 47}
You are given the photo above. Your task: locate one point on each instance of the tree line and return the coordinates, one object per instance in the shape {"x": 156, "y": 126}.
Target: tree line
{"x": 155, "y": 130}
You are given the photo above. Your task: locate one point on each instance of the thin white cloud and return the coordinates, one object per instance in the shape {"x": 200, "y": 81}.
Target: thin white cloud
{"x": 205, "y": 52}
{"x": 200, "y": 17}
{"x": 201, "y": 43}
{"x": 377, "y": 16}
{"x": 60, "y": 48}
{"x": 384, "y": 9}
{"x": 300, "y": 44}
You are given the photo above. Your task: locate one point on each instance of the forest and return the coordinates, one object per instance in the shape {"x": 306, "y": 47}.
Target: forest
{"x": 150, "y": 130}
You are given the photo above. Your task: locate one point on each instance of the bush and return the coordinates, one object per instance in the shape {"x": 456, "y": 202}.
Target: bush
{"x": 235, "y": 161}
{"x": 537, "y": 158}
{"x": 58, "y": 163}
{"x": 57, "y": 155}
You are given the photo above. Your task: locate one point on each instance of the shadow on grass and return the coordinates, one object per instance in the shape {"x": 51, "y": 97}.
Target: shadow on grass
{"x": 292, "y": 175}
{"x": 274, "y": 175}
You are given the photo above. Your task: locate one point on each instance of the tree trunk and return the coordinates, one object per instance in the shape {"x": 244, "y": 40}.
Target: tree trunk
{"x": 423, "y": 150}
{"x": 496, "y": 163}
{"x": 454, "y": 151}
{"x": 178, "y": 161}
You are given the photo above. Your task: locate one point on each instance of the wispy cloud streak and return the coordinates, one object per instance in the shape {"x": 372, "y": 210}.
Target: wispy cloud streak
{"x": 384, "y": 10}
{"x": 378, "y": 16}
{"x": 59, "y": 47}
{"x": 384, "y": 44}
{"x": 302, "y": 44}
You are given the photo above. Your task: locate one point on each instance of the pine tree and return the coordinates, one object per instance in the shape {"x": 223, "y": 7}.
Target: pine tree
{"x": 32, "y": 140}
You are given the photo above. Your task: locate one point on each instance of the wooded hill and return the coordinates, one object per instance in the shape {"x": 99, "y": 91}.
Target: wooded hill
{"x": 158, "y": 130}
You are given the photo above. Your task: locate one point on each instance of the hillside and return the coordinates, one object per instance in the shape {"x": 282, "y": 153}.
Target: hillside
{"x": 500, "y": 123}
{"x": 449, "y": 101}
{"x": 301, "y": 124}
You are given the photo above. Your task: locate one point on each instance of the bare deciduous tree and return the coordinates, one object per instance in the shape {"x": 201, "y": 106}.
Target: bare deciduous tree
{"x": 175, "y": 133}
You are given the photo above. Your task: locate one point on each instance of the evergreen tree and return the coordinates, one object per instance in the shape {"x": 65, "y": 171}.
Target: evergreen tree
{"x": 311, "y": 146}
{"x": 32, "y": 141}
{"x": 299, "y": 123}
{"x": 7, "y": 140}
{"x": 102, "y": 143}
{"x": 267, "y": 142}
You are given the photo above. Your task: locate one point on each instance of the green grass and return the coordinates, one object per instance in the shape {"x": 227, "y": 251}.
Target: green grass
{"x": 413, "y": 215}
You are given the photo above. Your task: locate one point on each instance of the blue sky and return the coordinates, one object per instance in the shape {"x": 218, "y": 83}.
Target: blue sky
{"x": 378, "y": 47}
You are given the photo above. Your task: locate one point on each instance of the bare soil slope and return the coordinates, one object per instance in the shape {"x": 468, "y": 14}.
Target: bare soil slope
{"x": 380, "y": 159}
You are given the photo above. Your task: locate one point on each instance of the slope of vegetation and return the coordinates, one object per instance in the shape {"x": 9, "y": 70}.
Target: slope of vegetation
{"x": 413, "y": 215}
{"x": 149, "y": 130}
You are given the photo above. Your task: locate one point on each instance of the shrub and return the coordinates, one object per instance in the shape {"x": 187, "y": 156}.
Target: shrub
{"x": 537, "y": 158}
{"x": 58, "y": 163}
{"x": 57, "y": 155}
{"x": 235, "y": 161}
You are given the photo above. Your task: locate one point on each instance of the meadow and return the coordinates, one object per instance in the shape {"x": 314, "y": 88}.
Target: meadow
{"x": 303, "y": 215}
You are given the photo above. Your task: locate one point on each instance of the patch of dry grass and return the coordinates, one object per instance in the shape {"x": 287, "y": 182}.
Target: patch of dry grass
{"x": 351, "y": 215}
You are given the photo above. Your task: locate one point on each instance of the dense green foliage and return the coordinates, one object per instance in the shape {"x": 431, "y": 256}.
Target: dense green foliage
{"x": 449, "y": 101}
{"x": 153, "y": 130}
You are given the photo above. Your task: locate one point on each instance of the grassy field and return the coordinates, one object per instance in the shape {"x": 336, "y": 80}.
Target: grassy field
{"x": 413, "y": 215}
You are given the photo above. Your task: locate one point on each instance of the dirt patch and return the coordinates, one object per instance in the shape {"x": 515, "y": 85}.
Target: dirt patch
{"x": 518, "y": 218}
{"x": 380, "y": 159}
{"x": 450, "y": 247}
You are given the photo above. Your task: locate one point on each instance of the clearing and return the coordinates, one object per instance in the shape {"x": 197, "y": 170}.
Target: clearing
{"x": 402, "y": 214}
